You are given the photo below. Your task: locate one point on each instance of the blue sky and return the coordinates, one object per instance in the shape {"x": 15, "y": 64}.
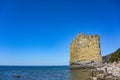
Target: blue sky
{"x": 39, "y": 32}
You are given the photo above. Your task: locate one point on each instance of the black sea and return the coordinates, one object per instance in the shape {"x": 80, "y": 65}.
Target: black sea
{"x": 42, "y": 73}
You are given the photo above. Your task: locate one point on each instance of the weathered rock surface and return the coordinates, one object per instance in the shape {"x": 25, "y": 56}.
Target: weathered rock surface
{"x": 85, "y": 52}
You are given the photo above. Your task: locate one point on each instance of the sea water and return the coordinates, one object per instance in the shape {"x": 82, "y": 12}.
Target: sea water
{"x": 41, "y": 73}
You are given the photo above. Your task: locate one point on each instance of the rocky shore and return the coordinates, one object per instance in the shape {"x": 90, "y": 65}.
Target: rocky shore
{"x": 109, "y": 71}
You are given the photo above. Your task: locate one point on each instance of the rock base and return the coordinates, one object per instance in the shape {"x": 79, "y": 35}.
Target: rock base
{"x": 85, "y": 64}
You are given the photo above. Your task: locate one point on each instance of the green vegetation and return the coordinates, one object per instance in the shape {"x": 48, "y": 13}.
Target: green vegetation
{"x": 115, "y": 56}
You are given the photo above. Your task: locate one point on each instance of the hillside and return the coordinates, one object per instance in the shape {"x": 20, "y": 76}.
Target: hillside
{"x": 111, "y": 57}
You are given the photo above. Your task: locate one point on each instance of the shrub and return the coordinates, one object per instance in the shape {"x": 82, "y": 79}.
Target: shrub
{"x": 115, "y": 56}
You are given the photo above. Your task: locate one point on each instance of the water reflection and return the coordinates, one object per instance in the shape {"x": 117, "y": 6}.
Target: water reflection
{"x": 80, "y": 74}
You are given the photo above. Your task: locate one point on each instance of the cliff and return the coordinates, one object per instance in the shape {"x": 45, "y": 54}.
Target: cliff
{"x": 85, "y": 51}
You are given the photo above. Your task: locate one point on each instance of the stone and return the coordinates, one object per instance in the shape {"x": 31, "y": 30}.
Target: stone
{"x": 108, "y": 78}
{"x": 18, "y": 76}
{"x": 94, "y": 78}
{"x": 85, "y": 52}
{"x": 112, "y": 72}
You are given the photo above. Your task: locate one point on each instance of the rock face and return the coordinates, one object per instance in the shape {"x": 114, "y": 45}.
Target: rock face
{"x": 106, "y": 58}
{"x": 85, "y": 52}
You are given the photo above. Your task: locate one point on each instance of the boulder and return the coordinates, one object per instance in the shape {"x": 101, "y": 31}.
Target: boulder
{"x": 85, "y": 52}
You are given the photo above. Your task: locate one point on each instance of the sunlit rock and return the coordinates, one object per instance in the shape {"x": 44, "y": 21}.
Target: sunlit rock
{"x": 85, "y": 52}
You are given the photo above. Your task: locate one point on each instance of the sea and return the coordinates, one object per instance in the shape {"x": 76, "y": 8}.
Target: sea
{"x": 42, "y": 73}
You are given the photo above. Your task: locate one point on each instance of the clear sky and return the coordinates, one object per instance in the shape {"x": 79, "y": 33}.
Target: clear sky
{"x": 39, "y": 32}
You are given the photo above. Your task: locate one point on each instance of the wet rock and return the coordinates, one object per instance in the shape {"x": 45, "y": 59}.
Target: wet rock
{"x": 18, "y": 76}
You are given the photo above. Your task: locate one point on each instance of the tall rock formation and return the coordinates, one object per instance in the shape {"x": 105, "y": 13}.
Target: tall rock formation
{"x": 85, "y": 52}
